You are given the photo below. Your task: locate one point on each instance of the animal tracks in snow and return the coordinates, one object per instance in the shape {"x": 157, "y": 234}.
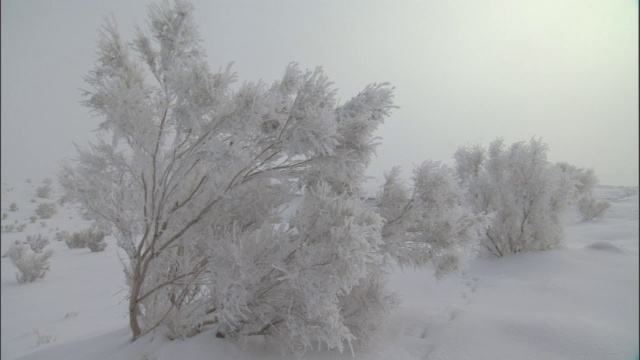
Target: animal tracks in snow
{"x": 470, "y": 287}
{"x": 421, "y": 334}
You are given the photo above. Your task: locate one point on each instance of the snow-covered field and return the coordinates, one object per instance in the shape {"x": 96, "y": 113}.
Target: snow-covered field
{"x": 578, "y": 302}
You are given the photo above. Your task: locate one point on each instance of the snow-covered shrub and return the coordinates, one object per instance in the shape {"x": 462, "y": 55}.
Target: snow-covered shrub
{"x": 429, "y": 223}
{"x": 5, "y": 216}
{"x": 76, "y": 240}
{"x": 16, "y": 249}
{"x": 14, "y": 227}
{"x": 590, "y": 208}
{"x": 196, "y": 175}
{"x": 44, "y": 336}
{"x": 367, "y": 305}
{"x": 308, "y": 268}
{"x": 584, "y": 179}
{"x": 90, "y": 238}
{"x": 31, "y": 265}
{"x": 62, "y": 235}
{"x": 526, "y": 194}
{"x": 94, "y": 240}
{"x": 44, "y": 191}
{"x": 37, "y": 242}
{"x": 46, "y": 210}
{"x": 47, "y": 181}
{"x": 13, "y": 207}
{"x": 33, "y": 219}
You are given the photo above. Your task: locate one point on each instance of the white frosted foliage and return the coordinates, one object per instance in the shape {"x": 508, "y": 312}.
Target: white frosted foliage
{"x": 428, "y": 222}
{"x": 526, "y": 194}
{"x": 191, "y": 174}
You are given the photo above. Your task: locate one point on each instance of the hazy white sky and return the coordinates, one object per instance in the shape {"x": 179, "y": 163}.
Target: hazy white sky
{"x": 465, "y": 72}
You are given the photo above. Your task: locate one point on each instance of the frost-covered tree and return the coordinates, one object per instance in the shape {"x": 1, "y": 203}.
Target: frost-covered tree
{"x": 584, "y": 179}
{"x": 590, "y": 208}
{"x": 527, "y": 194}
{"x": 429, "y": 222}
{"x": 195, "y": 178}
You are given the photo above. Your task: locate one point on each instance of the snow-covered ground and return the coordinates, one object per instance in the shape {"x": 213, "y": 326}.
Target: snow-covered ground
{"x": 578, "y": 302}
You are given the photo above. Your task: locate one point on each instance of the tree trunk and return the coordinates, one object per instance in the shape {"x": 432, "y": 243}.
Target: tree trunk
{"x": 134, "y": 309}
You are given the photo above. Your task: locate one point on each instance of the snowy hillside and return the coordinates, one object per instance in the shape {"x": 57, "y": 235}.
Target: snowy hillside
{"x": 578, "y": 302}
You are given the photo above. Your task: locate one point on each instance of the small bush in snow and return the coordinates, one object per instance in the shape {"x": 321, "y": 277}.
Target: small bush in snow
{"x": 14, "y": 249}
{"x": 589, "y": 208}
{"x": 47, "y": 181}
{"x": 91, "y": 238}
{"x": 44, "y": 337}
{"x": 31, "y": 266}
{"x": 14, "y": 228}
{"x": 95, "y": 240}
{"x": 46, "y": 210}
{"x": 5, "y": 216}
{"x": 44, "y": 191}
{"x": 37, "y": 242}
{"x": 13, "y": 207}
{"x": 76, "y": 241}
{"x": 62, "y": 235}
{"x": 33, "y": 219}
